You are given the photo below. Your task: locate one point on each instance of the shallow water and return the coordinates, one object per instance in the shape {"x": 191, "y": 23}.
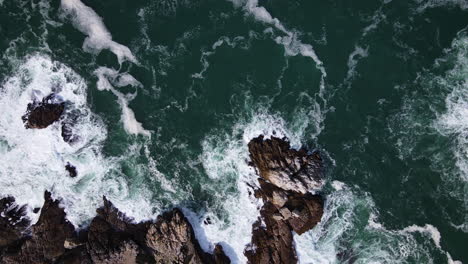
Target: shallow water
{"x": 166, "y": 95}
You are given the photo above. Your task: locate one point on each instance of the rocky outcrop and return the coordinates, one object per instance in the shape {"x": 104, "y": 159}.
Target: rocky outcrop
{"x": 110, "y": 238}
{"x": 46, "y": 243}
{"x": 172, "y": 240}
{"x": 13, "y": 221}
{"x": 42, "y": 114}
{"x": 284, "y": 167}
{"x": 286, "y": 177}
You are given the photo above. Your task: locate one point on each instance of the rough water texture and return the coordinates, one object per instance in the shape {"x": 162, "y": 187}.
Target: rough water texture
{"x": 162, "y": 97}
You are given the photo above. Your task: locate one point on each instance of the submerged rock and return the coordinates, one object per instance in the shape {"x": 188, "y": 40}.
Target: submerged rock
{"x": 42, "y": 114}
{"x": 71, "y": 170}
{"x": 286, "y": 177}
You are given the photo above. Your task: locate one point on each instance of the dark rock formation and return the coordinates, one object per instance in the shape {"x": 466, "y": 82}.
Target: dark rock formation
{"x": 286, "y": 168}
{"x": 46, "y": 243}
{"x": 272, "y": 243}
{"x": 13, "y": 222}
{"x": 300, "y": 211}
{"x": 172, "y": 240}
{"x": 111, "y": 238}
{"x": 286, "y": 177}
{"x": 42, "y": 114}
{"x": 219, "y": 255}
{"x": 71, "y": 170}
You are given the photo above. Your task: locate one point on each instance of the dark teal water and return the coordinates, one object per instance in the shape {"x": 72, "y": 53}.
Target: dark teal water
{"x": 379, "y": 87}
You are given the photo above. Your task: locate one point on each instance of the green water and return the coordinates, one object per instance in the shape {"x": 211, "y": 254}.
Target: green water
{"x": 390, "y": 117}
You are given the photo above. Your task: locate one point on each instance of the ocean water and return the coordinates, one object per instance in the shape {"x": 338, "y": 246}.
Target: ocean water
{"x": 165, "y": 95}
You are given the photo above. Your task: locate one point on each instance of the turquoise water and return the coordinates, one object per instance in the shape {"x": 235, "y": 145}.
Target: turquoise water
{"x": 165, "y": 96}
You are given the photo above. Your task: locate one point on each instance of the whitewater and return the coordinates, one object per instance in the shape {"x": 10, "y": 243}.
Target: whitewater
{"x": 165, "y": 105}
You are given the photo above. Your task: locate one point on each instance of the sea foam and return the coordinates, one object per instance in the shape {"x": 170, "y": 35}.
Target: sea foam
{"x": 98, "y": 37}
{"x": 107, "y": 79}
{"x": 33, "y": 160}
{"x": 225, "y": 159}
{"x": 344, "y": 234}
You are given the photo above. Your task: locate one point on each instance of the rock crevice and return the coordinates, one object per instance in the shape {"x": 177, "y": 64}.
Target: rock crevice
{"x": 286, "y": 178}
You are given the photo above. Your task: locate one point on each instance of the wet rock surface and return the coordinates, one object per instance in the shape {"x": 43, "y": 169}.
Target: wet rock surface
{"x": 172, "y": 240}
{"x": 46, "y": 242}
{"x": 13, "y": 222}
{"x": 42, "y": 114}
{"x": 284, "y": 167}
{"x": 286, "y": 177}
{"x": 111, "y": 237}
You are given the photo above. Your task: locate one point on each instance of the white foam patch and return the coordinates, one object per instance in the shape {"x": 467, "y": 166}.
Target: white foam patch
{"x": 454, "y": 121}
{"x": 427, "y": 4}
{"x": 319, "y": 244}
{"x": 107, "y": 79}
{"x": 353, "y": 59}
{"x": 343, "y": 235}
{"x": 33, "y": 160}
{"x": 337, "y": 185}
{"x": 98, "y": 37}
{"x": 426, "y": 229}
{"x": 377, "y": 18}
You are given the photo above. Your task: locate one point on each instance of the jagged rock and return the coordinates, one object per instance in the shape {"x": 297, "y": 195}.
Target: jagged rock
{"x": 306, "y": 212}
{"x": 42, "y": 114}
{"x": 279, "y": 198}
{"x": 286, "y": 176}
{"x": 173, "y": 241}
{"x": 13, "y": 221}
{"x": 48, "y": 235}
{"x": 114, "y": 238}
{"x": 285, "y": 213}
{"x": 219, "y": 255}
{"x": 111, "y": 237}
{"x": 77, "y": 255}
{"x": 286, "y": 168}
{"x": 302, "y": 211}
{"x": 71, "y": 170}
{"x": 106, "y": 245}
{"x": 273, "y": 243}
